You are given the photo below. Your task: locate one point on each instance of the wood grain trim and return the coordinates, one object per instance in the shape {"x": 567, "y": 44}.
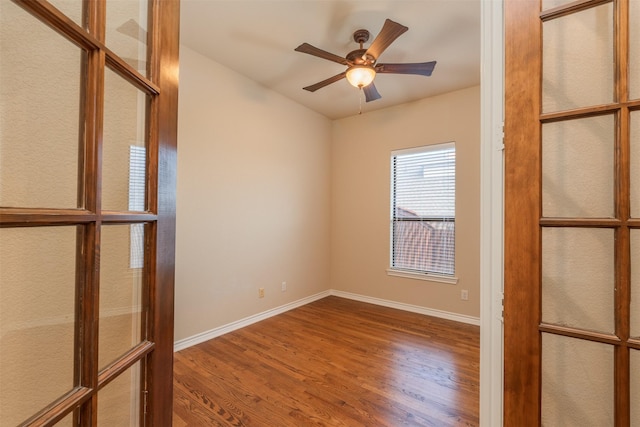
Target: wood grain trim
{"x": 164, "y": 71}
{"x": 623, "y": 204}
{"x": 59, "y": 409}
{"x": 56, "y": 20}
{"x": 597, "y": 110}
{"x": 522, "y": 339}
{"x": 568, "y": 331}
{"x": 43, "y": 217}
{"x": 579, "y": 113}
{"x": 581, "y": 222}
{"x": 119, "y": 66}
{"x": 124, "y": 362}
{"x": 10, "y": 217}
{"x": 568, "y": 9}
{"x": 89, "y": 297}
{"x": 38, "y": 217}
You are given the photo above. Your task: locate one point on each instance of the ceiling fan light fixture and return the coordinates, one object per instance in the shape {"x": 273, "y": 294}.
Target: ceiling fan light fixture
{"x": 360, "y": 75}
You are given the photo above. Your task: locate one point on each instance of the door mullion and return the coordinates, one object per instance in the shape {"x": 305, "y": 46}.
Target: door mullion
{"x": 87, "y": 324}
{"x": 522, "y": 232}
{"x": 623, "y": 211}
{"x": 164, "y": 64}
{"x": 622, "y": 271}
{"x": 93, "y": 107}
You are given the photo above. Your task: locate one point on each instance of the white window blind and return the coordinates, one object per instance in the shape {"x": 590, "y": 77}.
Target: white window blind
{"x": 137, "y": 185}
{"x": 423, "y": 209}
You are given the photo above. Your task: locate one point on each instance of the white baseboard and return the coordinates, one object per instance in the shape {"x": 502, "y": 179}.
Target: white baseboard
{"x": 229, "y": 327}
{"x": 409, "y": 307}
{"x": 221, "y": 330}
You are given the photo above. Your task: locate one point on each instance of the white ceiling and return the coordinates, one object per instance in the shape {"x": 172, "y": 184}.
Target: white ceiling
{"x": 257, "y": 38}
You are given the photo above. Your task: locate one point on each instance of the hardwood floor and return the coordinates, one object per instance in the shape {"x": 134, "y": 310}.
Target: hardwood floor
{"x": 334, "y": 362}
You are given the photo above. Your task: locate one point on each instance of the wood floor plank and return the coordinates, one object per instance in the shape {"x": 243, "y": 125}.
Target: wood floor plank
{"x": 333, "y": 362}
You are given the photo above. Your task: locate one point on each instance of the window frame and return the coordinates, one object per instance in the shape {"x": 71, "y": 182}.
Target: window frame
{"x": 408, "y": 273}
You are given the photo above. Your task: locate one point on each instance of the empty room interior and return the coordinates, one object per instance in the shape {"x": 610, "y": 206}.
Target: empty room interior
{"x": 284, "y": 200}
{"x": 319, "y": 212}
{"x": 207, "y": 217}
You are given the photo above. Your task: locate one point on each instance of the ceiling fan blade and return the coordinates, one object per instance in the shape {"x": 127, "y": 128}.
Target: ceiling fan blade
{"x": 420, "y": 68}
{"x": 312, "y": 50}
{"x": 370, "y": 92}
{"x": 390, "y": 31}
{"x": 326, "y": 82}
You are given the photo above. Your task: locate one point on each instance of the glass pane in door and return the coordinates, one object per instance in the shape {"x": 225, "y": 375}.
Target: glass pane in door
{"x": 635, "y": 283}
{"x": 577, "y": 382}
{"x": 577, "y": 60}
{"x": 126, "y": 32}
{"x": 578, "y": 278}
{"x": 578, "y": 168}
{"x": 634, "y": 141}
{"x": 124, "y": 152}
{"x": 39, "y": 118}
{"x": 73, "y": 9}
{"x": 634, "y": 50}
{"x": 550, "y": 4}
{"x": 119, "y": 401}
{"x": 66, "y": 421}
{"x": 37, "y": 318}
{"x": 635, "y": 387}
{"x": 121, "y": 293}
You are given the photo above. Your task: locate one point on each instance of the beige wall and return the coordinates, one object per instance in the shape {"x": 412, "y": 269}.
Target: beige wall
{"x": 253, "y": 198}
{"x": 360, "y": 198}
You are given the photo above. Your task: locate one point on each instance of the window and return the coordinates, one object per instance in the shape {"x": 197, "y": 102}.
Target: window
{"x": 423, "y": 210}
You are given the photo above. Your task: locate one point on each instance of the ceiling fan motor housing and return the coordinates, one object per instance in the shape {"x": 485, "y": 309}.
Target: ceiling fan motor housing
{"x": 359, "y": 57}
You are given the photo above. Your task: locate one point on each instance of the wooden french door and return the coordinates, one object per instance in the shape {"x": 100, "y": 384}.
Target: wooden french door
{"x": 88, "y": 113}
{"x": 572, "y": 213}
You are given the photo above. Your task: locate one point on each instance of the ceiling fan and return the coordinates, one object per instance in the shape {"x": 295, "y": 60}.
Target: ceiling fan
{"x": 361, "y": 63}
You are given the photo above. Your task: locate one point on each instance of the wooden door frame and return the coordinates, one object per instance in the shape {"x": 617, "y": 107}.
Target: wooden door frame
{"x": 523, "y": 215}
{"x": 522, "y": 233}
{"x": 161, "y": 364}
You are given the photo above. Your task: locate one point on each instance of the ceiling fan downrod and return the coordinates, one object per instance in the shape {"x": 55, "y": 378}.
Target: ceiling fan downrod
{"x": 361, "y": 37}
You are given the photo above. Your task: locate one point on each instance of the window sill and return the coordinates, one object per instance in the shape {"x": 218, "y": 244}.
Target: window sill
{"x": 423, "y": 276}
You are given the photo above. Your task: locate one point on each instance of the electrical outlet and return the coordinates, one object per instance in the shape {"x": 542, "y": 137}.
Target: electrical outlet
{"x": 284, "y": 286}
{"x": 464, "y": 295}
{"x": 261, "y": 293}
